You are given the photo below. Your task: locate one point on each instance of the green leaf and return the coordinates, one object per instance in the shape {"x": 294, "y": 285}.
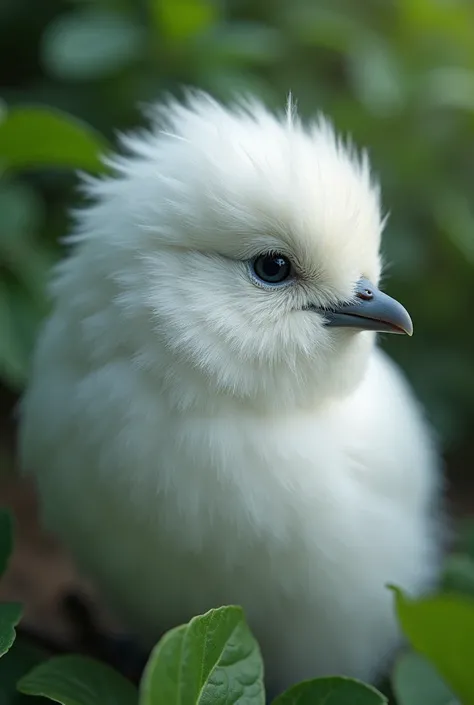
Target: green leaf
{"x": 41, "y": 137}
{"x": 6, "y": 539}
{"x": 13, "y": 665}
{"x": 78, "y": 680}
{"x": 331, "y": 691}
{"x": 10, "y": 615}
{"x": 442, "y": 629}
{"x": 212, "y": 659}
{"x": 90, "y": 45}
{"x": 415, "y": 682}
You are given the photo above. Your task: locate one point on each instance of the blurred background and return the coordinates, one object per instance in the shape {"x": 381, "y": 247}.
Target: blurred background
{"x": 397, "y": 76}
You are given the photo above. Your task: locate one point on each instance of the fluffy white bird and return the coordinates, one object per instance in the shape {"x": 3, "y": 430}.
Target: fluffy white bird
{"x": 209, "y": 419}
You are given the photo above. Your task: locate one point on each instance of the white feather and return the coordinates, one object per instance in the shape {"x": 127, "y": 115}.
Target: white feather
{"x": 198, "y": 440}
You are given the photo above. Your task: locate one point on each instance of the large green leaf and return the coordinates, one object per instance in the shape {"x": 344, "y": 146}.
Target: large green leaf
{"x": 13, "y": 665}
{"x": 416, "y": 682}
{"x": 6, "y": 539}
{"x": 442, "y": 629}
{"x": 78, "y": 680}
{"x": 10, "y": 615}
{"x": 213, "y": 659}
{"x": 42, "y": 137}
{"x": 331, "y": 691}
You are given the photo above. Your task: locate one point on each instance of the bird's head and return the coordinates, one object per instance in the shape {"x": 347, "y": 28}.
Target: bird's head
{"x": 244, "y": 249}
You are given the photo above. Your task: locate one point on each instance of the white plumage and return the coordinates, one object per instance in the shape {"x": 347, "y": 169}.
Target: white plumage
{"x": 202, "y": 437}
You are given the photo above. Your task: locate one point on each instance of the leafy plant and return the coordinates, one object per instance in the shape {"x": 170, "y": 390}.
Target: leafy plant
{"x": 215, "y": 660}
{"x": 31, "y": 137}
{"x": 77, "y": 680}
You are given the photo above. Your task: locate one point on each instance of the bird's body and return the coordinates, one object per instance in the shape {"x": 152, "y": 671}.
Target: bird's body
{"x": 201, "y": 437}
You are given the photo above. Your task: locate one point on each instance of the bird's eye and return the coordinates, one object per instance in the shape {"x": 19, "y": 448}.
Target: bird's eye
{"x": 272, "y": 268}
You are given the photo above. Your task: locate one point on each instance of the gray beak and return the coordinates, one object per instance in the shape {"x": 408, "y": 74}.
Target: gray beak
{"x": 372, "y": 310}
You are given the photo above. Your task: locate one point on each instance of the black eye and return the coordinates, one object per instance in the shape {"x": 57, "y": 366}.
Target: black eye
{"x": 272, "y": 268}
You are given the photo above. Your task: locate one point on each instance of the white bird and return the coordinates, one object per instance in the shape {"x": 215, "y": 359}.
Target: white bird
{"x": 209, "y": 420}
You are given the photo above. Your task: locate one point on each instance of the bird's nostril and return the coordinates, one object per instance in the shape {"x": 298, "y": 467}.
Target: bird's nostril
{"x": 365, "y": 294}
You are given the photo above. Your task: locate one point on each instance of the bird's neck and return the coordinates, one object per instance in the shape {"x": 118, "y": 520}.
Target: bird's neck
{"x": 284, "y": 392}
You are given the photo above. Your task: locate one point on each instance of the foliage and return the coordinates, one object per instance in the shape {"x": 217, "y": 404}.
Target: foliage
{"x": 78, "y": 680}
{"x": 64, "y": 142}
{"x": 215, "y": 660}
{"x": 441, "y": 629}
{"x": 416, "y": 681}
{"x": 399, "y": 76}
{"x": 214, "y": 657}
{"x": 332, "y": 691}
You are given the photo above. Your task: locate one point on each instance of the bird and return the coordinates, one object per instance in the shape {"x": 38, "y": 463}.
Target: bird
{"x": 209, "y": 418}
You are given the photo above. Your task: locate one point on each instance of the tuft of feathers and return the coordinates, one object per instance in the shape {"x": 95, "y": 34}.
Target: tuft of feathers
{"x": 200, "y": 438}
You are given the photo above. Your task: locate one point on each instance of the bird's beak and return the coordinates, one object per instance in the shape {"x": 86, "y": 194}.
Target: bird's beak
{"x": 371, "y": 310}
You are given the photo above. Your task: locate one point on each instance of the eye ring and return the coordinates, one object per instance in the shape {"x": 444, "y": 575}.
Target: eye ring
{"x": 271, "y": 269}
